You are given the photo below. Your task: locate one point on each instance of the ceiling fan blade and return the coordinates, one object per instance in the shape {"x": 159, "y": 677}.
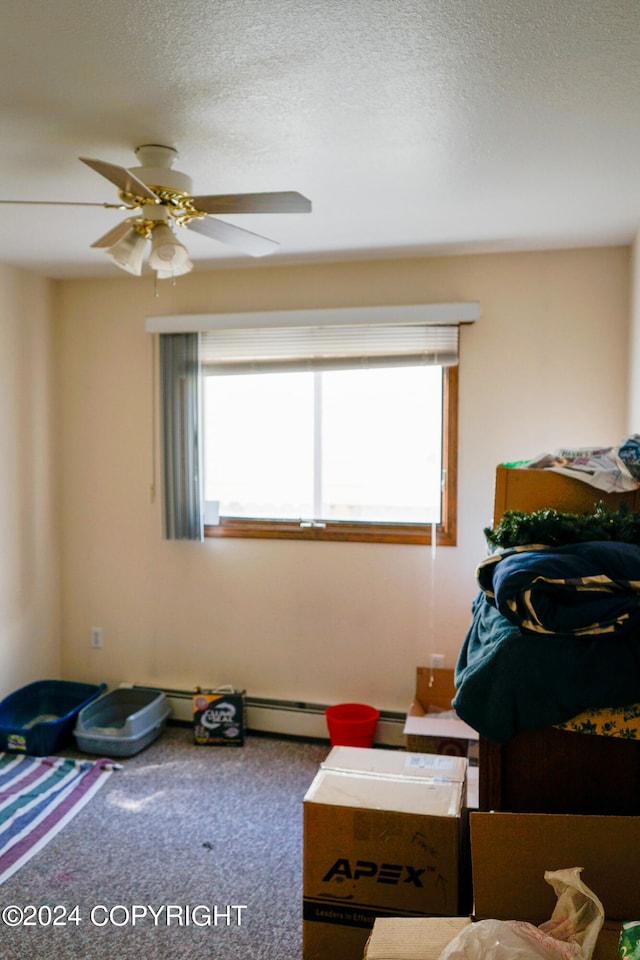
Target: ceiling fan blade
{"x": 122, "y": 178}
{"x": 112, "y": 236}
{"x": 63, "y": 203}
{"x": 286, "y": 201}
{"x": 245, "y": 240}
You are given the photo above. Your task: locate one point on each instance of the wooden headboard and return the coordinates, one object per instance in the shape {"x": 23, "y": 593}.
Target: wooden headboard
{"x": 526, "y": 490}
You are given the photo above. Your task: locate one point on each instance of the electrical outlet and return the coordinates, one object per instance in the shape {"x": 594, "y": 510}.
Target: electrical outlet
{"x": 96, "y": 637}
{"x": 437, "y": 661}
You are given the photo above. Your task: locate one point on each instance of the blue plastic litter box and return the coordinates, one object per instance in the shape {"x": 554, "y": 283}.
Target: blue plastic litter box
{"x": 38, "y": 719}
{"x": 122, "y": 722}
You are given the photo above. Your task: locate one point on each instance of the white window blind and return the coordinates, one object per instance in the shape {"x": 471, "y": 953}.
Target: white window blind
{"x": 252, "y": 350}
{"x": 431, "y": 327}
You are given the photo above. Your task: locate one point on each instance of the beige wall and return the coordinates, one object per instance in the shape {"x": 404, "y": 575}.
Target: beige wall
{"x": 634, "y": 340}
{"x": 547, "y": 365}
{"x": 29, "y": 551}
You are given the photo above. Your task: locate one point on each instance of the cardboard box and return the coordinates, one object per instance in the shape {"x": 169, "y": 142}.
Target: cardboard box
{"x": 510, "y": 853}
{"x": 397, "y": 763}
{"x": 425, "y": 731}
{"x": 418, "y": 764}
{"x": 384, "y": 835}
{"x": 397, "y": 938}
{"x": 218, "y": 717}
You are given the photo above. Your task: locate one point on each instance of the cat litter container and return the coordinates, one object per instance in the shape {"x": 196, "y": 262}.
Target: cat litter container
{"x": 38, "y": 719}
{"x": 122, "y": 722}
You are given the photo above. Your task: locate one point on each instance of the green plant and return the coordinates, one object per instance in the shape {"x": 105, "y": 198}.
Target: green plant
{"x": 553, "y": 528}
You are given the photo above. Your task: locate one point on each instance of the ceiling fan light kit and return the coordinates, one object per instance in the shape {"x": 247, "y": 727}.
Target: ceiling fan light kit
{"x": 128, "y": 253}
{"x": 168, "y": 256}
{"x": 161, "y": 196}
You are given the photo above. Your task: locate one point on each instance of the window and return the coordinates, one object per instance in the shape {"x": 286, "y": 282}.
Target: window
{"x": 355, "y": 454}
{"x": 321, "y": 424}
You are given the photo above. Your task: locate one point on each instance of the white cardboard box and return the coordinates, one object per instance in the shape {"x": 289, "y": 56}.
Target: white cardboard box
{"x": 384, "y": 835}
{"x": 427, "y": 727}
{"x": 398, "y": 763}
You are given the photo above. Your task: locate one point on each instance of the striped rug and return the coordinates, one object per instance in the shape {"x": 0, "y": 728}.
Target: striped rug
{"x": 38, "y": 797}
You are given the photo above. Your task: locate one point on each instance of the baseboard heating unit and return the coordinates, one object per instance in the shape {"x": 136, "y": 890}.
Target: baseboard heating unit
{"x": 290, "y": 718}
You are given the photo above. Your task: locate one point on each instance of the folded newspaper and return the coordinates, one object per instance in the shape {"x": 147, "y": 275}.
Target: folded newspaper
{"x": 612, "y": 469}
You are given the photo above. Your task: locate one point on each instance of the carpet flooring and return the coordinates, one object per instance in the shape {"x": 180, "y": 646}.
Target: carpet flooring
{"x": 186, "y": 852}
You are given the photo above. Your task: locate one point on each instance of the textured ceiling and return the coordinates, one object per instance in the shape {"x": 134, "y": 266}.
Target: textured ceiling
{"x": 414, "y": 126}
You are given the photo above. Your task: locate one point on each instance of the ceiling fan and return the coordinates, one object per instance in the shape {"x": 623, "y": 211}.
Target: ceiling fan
{"x": 160, "y": 196}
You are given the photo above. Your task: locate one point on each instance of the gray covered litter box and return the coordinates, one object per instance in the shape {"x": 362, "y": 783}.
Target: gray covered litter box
{"x": 122, "y": 722}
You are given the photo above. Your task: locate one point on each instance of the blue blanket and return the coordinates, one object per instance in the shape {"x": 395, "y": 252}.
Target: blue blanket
{"x": 508, "y": 681}
{"x": 583, "y": 589}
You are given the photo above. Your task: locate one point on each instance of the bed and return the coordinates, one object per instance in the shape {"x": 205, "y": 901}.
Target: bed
{"x": 558, "y": 713}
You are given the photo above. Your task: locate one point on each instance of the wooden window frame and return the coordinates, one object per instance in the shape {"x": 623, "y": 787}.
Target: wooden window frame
{"x": 410, "y": 533}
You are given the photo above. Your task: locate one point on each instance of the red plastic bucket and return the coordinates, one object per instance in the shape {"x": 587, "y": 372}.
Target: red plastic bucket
{"x": 352, "y": 724}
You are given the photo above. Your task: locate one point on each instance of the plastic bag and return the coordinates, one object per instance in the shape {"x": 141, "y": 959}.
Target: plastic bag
{"x": 570, "y": 934}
